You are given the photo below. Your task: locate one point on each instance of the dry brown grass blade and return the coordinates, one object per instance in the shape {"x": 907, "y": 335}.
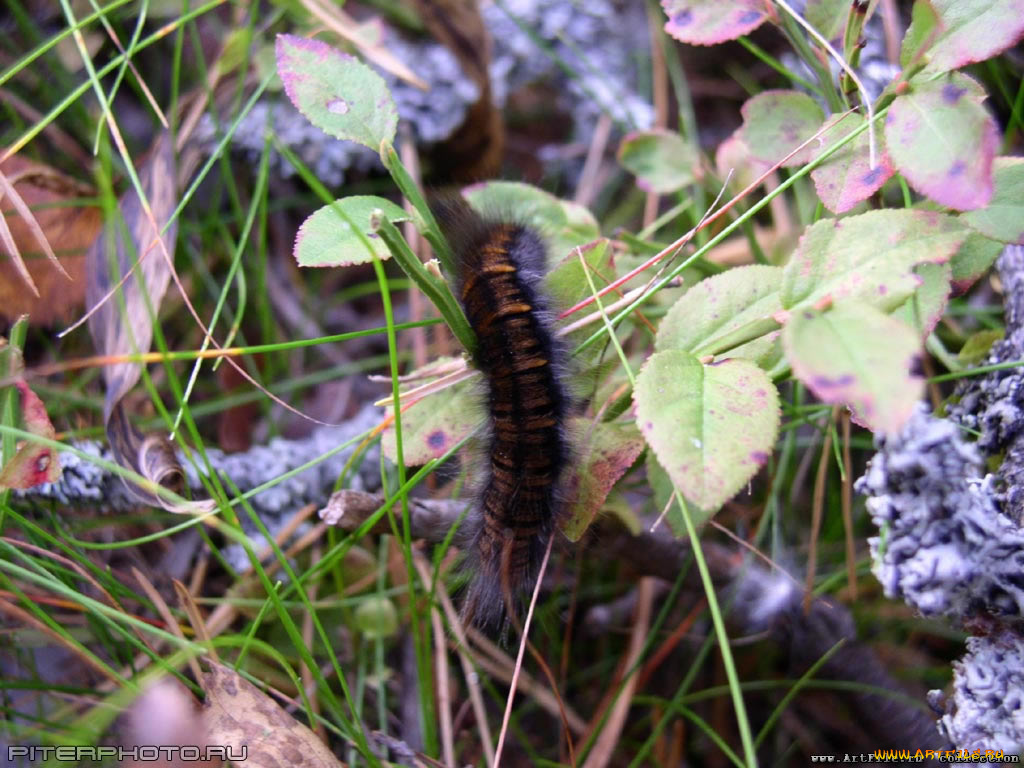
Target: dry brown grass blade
{"x": 461, "y": 648}
{"x": 604, "y": 746}
{"x": 238, "y": 713}
{"x": 111, "y": 258}
{"x": 517, "y": 670}
{"x": 165, "y": 613}
{"x": 444, "y": 697}
{"x": 195, "y": 618}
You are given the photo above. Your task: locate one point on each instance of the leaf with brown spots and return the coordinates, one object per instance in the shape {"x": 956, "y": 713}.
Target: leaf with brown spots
{"x": 870, "y": 257}
{"x": 33, "y": 464}
{"x": 239, "y": 714}
{"x": 943, "y": 141}
{"x": 707, "y": 22}
{"x": 70, "y": 228}
{"x": 610, "y": 450}
{"x": 777, "y": 122}
{"x": 435, "y": 423}
{"x": 846, "y": 177}
{"x": 856, "y": 355}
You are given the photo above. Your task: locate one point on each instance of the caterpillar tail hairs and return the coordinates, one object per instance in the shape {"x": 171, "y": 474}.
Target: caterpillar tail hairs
{"x": 500, "y": 265}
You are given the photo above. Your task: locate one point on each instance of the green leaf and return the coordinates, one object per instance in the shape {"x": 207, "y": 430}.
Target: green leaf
{"x": 711, "y": 427}
{"x": 566, "y": 284}
{"x": 1003, "y": 218}
{"x": 607, "y": 452}
{"x": 923, "y": 310}
{"x": 661, "y": 160}
{"x": 856, "y": 355}
{"x": 325, "y": 239}
{"x": 336, "y": 92}
{"x": 846, "y": 177}
{"x": 870, "y": 257}
{"x": 436, "y": 422}
{"x": 719, "y": 306}
{"x": 978, "y": 345}
{"x": 777, "y": 122}
{"x": 562, "y": 223}
{"x": 976, "y": 254}
{"x": 975, "y": 30}
{"x": 925, "y": 28}
{"x": 707, "y": 22}
{"x": 943, "y": 141}
{"x": 828, "y": 17}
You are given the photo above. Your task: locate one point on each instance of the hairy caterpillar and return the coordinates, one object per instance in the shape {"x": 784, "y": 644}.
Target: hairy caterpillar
{"x": 500, "y": 266}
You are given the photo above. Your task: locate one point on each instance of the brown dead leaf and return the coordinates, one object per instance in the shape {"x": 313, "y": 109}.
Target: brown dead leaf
{"x": 69, "y": 229}
{"x": 240, "y": 714}
{"x": 125, "y": 279}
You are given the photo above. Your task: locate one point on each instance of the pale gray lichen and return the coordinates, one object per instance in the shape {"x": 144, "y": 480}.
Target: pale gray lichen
{"x": 83, "y": 482}
{"x": 988, "y": 695}
{"x": 588, "y": 51}
{"x": 945, "y": 547}
{"x": 993, "y": 404}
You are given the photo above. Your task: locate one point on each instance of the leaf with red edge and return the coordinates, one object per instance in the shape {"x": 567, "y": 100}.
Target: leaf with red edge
{"x": 975, "y": 30}
{"x": 326, "y": 239}
{"x": 336, "y": 92}
{"x": 777, "y": 122}
{"x": 707, "y": 22}
{"x": 610, "y": 450}
{"x": 856, "y": 355}
{"x": 943, "y": 141}
{"x": 870, "y": 257}
{"x": 1003, "y": 218}
{"x": 33, "y": 464}
{"x": 846, "y": 177}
